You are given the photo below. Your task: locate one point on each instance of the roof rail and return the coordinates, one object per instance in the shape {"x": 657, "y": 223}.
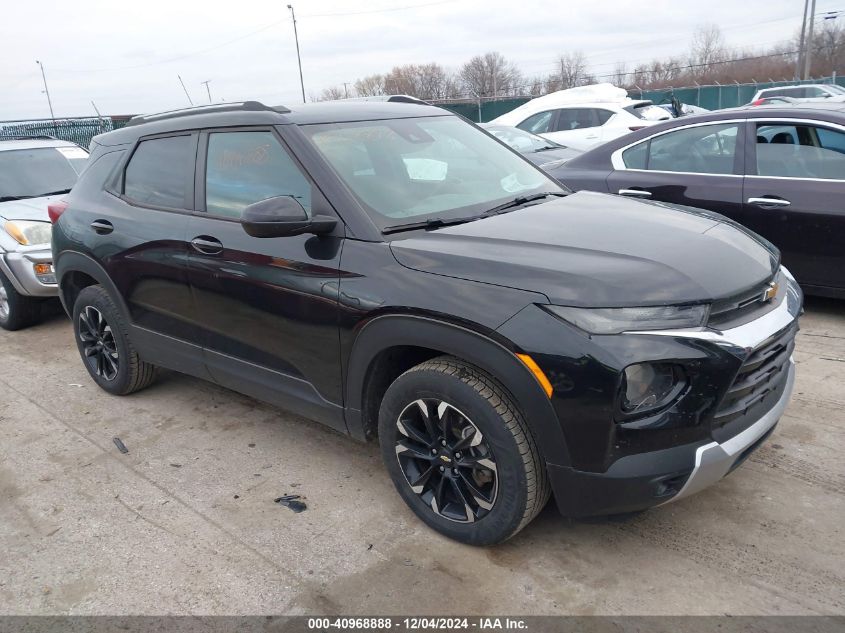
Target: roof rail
{"x": 245, "y": 106}
{"x": 27, "y": 137}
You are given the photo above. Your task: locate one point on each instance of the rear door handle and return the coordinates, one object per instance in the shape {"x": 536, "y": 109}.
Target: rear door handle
{"x": 769, "y": 203}
{"x": 102, "y": 227}
{"x": 635, "y": 193}
{"x": 207, "y": 245}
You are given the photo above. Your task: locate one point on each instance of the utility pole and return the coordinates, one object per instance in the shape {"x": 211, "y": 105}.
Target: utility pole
{"x": 185, "y": 89}
{"x": 346, "y": 88}
{"x": 47, "y": 92}
{"x": 799, "y": 65}
{"x": 207, "y": 89}
{"x": 298, "y": 58}
{"x": 808, "y": 54}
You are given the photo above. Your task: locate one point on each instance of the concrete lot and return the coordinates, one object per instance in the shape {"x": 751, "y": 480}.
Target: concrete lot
{"x": 185, "y": 522}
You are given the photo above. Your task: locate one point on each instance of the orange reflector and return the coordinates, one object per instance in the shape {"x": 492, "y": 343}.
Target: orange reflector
{"x": 538, "y": 373}
{"x": 13, "y": 230}
{"x": 43, "y": 269}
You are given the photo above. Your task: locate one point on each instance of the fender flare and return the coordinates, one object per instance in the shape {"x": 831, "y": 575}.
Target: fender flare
{"x": 72, "y": 261}
{"x": 477, "y": 349}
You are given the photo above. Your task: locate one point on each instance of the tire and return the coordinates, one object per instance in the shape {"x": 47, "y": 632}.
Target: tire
{"x": 104, "y": 346}
{"x": 490, "y": 464}
{"x": 17, "y": 311}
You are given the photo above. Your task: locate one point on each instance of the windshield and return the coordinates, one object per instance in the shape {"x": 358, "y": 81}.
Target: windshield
{"x": 28, "y": 173}
{"x": 836, "y": 88}
{"x": 425, "y": 168}
{"x": 520, "y": 140}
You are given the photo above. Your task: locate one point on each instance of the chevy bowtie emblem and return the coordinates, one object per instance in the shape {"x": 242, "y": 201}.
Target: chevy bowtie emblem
{"x": 444, "y": 458}
{"x": 770, "y": 292}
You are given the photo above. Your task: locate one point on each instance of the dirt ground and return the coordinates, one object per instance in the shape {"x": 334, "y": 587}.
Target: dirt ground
{"x": 185, "y": 522}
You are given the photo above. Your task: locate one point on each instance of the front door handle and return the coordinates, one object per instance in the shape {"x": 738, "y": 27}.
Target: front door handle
{"x": 102, "y": 227}
{"x": 769, "y": 203}
{"x": 635, "y": 193}
{"x": 207, "y": 245}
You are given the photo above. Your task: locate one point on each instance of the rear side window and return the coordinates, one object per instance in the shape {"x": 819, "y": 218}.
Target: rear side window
{"x": 800, "y": 151}
{"x": 247, "y": 167}
{"x": 160, "y": 172}
{"x": 576, "y": 119}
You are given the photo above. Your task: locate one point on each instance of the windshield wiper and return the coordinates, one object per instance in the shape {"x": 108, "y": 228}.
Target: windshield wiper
{"x": 521, "y": 200}
{"x": 431, "y": 223}
{"x": 52, "y": 193}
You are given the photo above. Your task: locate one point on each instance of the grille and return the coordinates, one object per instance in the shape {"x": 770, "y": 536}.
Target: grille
{"x": 759, "y": 380}
{"x": 745, "y": 306}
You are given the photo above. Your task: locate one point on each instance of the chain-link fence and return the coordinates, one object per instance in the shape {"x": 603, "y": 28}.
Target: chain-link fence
{"x": 718, "y": 96}
{"x": 79, "y": 131}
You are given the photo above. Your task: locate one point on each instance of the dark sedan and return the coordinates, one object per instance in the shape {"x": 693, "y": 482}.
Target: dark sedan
{"x": 778, "y": 170}
{"x": 547, "y": 155}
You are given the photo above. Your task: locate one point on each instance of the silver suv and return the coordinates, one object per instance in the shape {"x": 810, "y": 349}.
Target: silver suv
{"x": 804, "y": 92}
{"x": 33, "y": 170}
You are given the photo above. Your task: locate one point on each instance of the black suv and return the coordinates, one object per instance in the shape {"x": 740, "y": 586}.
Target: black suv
{"x": 396, "y": 272}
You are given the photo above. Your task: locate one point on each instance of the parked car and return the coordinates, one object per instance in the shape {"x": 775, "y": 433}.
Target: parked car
{"x": 582, "y": 118}
{"x": 32, "y": 171}
{"x": 804, "y": 92}
{"x": 547, "y": 155}
{"x": 778, "y": 170}
{"x": 394, "y": 272}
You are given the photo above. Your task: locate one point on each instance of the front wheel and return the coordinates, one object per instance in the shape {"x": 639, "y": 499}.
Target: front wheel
{"x": 460, "y": 453}
{"x": 16, "y": 310}
{"x": 103, "y": 342}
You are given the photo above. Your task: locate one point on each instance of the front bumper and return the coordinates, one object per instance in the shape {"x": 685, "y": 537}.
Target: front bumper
{"x": 18, "y": 267}
{"x": 618, "y": 466}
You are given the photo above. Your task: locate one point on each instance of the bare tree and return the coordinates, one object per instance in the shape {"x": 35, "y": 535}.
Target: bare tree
{"x": 425, "y": 81}
{"x": 329, "y": 94}
{"x": 370, "y": 86}
{"x": 572, "y": 70}
{"x": 828, "y": 48}
{"x": 706, "y": 50}
{"x": 490, "y": 75}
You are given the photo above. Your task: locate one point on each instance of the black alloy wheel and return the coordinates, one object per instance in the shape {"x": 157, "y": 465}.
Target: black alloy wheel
{"x": 99, "y": 347}
{"x": 446, "y": 460}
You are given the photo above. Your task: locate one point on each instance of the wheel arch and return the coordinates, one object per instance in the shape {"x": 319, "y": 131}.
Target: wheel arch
{"x": 75, "y": 271}
{"x": 429, "y": 337}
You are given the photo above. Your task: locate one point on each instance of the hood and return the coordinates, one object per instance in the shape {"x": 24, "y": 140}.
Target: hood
{"x": 26, "y": 209}
{"x": 597, "y": 250}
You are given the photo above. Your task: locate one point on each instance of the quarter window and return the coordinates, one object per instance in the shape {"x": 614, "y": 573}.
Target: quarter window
{"x": 160, "y": 172}
{"x": 800, "y": 151}
{"x": 247, "y": 167}
{"x": 705, "y": 149}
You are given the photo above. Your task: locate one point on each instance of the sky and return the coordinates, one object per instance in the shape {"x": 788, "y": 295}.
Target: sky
{"x": 127, "y": 57}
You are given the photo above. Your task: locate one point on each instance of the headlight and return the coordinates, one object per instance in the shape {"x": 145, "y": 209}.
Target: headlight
{"x": 27, "y": 232}
{"x": 617, "y": 320}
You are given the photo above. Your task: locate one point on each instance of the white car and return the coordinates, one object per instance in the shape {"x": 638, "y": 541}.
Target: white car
{"x": 584, "y": 117}
{"x": 805, "y": 92}
{"x": 33, "y": 171}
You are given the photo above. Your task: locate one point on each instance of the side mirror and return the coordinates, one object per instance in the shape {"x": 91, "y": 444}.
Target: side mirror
{"x": 283, "y": 216}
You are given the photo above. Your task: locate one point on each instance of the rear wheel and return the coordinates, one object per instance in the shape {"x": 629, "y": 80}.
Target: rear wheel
{"x": 103, "y": 342}
{"x": 460, "y": 453}
{"x": 16, "y": 310}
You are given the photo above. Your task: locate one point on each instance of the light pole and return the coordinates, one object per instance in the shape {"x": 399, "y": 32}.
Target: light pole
{"x": 808, "y": 54}
{"x": 799, "y": 65}
{"x": 298, "y": 58}
{"x": 47, "y": 92}
{"x": 207, "y": 89}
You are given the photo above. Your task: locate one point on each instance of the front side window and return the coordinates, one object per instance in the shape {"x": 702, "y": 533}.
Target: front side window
{"x": 247, "y": 167}
{"x": 705, "y": 149}
{"x": 29, "y": 173}
{"x": 160, "y": 172}
{"x": 800, "y": 151}
{"x": 421, "y": 168}
{"x": 539, "y": 123}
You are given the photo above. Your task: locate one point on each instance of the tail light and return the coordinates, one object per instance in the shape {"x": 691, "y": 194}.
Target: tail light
{"x": 758, "y": 102}
{"x": 55, "y": 210}
{"x": 634, "y": 128}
